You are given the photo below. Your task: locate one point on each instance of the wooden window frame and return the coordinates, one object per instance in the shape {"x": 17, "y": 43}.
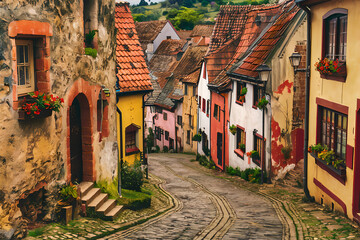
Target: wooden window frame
{"x": 257, "y": 94}
{"x": 165, "y": 116}
{"x": 239, "y": 87}
{"x": 338, "y": 14}
{"x": 131, "y": 139}
{"x": 179, "y": 120}
{"x": 188, "y": 137}
{"x": 258, "y": 142}
{"x": 185, "y": 89}
{"x": 240, "y": 133}
{"x": 166, "y": 135}
{"x": 217, "y": 112}
{"x": 203, "y": 105}
{"x": 26, "y": 88}
{"x": 207, "y": 108}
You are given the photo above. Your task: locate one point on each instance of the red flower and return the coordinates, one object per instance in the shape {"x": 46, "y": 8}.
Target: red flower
{"x": 61, "y": 100}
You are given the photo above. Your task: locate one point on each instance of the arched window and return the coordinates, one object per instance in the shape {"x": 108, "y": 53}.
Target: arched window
{"x": 131, "y": 139}
{"x": 335, "y": 34}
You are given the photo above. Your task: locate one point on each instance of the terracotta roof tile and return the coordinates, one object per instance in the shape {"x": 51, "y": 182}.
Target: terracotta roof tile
{"x": 267, "y": 42}
{"x": 148, "y": 31}
{"x": 202, "y": 31}
{"x": 132, "y": 72}
{"x": 236, "y": 29}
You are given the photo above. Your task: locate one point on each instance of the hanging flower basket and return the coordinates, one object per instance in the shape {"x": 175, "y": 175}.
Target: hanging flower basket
{"x": 232, "y": 129}
{"x": 331, "y": 69}
{"x": 197, "y": 138}
{"x": 262, "y": 103}
{"x": 39, "y": 106}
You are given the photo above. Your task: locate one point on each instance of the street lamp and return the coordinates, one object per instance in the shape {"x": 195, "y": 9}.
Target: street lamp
{"x": 295, "y": 59}
{"x": 264, "y": 75}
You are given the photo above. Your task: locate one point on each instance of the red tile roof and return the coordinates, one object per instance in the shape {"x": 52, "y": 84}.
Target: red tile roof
{"x": 259, "y": 53}
{"x": 149, "y": 30}
{"x": 235, "y": 30}
{"x": 202, "y": 31}
{"x": 184, "y": 34}
{"x": 132, "y": 71}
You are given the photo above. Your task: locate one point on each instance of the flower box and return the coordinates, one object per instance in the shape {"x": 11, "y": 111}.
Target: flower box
{"x": 339, "y": 173}
{"x": 331, "y": 69}
{"x": 337, "y": 76}
{"x": 43, "y": 114}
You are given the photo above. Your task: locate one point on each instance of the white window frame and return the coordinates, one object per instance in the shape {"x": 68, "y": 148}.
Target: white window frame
{"x": 24, "y": 89}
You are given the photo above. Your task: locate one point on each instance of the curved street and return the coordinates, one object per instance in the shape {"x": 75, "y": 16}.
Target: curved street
{"x": 208, "y": 207}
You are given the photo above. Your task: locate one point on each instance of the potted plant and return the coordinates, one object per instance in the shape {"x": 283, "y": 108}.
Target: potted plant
{"x": 232, "y": 129}
{"x": 243, "y": 91}
{"x": 39, "y": 105}
{"x": 197, "y": 138}
{"x": 253, "y": 154}
{"x": 69, "y": 197}
{"x": 331, "y": 69}
{"x": 262, "y": 103}
{"x": 89, "y": 46}
{"x": 242, "y": 147}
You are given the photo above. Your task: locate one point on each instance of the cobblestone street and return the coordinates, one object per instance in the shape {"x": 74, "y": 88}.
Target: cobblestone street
{"x": 208, "y": 207}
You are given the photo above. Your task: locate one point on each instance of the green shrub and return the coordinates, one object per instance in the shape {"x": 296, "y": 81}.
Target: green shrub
{"x": 165, "y": 149}
{"x": 68, "y": 194}
{"x": 132, "y": 176}
{"x": 150, "y": 139}
{"x": 250, "y": 174}
{"x": 197, "y": 138}
{"x": 89, "y": 37}
{"x": 157, "y": 149}
{"x": 91, "y": 52}
{"x": 204, "y": 161}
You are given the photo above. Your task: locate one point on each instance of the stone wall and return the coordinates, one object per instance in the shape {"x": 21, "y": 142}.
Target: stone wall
{"x": 35, "y": 153}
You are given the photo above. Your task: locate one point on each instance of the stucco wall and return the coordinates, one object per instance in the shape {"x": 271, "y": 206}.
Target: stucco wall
{"x": 36, "y": 152}
{"x": 132, "y": 113}
{"x": 166, "y": 125}
{"x": 190, "y": 107}
{"x": 345, "y": 94}
{"x": 204, "y": 120}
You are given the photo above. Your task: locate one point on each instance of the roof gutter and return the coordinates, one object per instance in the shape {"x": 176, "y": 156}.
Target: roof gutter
{"x": 307, "y": 94}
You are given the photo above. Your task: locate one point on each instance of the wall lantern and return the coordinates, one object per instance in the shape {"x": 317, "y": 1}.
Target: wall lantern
{"x": 264, "y": 72}
{"x": 106, "y": 91}
{"x": 295, "y": 60}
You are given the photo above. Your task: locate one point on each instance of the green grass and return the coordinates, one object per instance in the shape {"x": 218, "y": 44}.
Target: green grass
{"x": 36, "y": 232}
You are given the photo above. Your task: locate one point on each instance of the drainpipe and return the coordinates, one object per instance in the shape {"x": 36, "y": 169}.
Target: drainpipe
{"x": 307, "y": 93}
{"x": 145, "y": 160}
{"x": 223, "y": 162}
{"x": 121, "y": 151}
{"x": 210, "y": 125}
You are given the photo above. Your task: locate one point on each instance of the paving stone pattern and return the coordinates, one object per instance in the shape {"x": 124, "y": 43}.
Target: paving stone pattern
{"x": 256, "y": 218}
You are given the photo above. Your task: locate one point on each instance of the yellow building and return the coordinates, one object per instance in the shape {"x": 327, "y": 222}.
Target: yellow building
{"x": 133, "y": 83}
{"x": 334, "y": 103}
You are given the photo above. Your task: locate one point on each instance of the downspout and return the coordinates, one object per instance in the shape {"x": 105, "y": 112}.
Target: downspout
{"x": 223, "y": 162}
{"x": 121, "y": 151}
{"x": 210, "y": 126}
{"x": 307, "y": 94}
{"x": 145, "y": 161}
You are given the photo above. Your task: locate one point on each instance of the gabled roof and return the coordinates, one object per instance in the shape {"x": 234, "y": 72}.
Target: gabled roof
{"x": 132, "y": 71}
{"x": 170, "y": 47}
{"x": 236, "y": 29}
{"x": 149, "y": 30}
{"x": 267, "y": 43}
{"x": 184, "y": 34}
{"x": 202, "y": 31}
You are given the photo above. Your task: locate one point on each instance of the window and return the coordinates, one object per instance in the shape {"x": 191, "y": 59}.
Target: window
{"x": 158, "y": 109}
{"x": 203, "y": 105}
{"x": 168, "y": 37}
{"x": 179, "y": 120}
{"x": 90, "y": 13}
{"x": 171, "y": 143}
{"x": 240, "y": 139}
{"x": 166, "y": 135}
{"x": 165, "y": 116}
{"x": 185, "y": 89}
{"x": 334, "y": 131}
{"x": 239, "y": 88}
{"x": 158, "y": 133}
{"x": 194, "y": 91}
{"x": 199, "y": 102}
{"x": 335, "y": 39}
{"x": 25, "y": 66}
{"x": 207, "y": 107}
{"x": 131, "y": 135}
{"x": 188, "y": 137}
{"x": 257, "y": 95}
{"x": 191, "y": 120}
{"x": 258, "y": 143}
{"x": 217, "y": 112}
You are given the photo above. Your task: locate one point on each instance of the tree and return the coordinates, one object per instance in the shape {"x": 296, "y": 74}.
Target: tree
{"x": 186, "y": 19}
{"x": 143, "y": 3}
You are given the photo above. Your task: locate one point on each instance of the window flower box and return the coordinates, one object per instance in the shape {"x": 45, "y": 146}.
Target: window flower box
{"x": 331, "y": 69}
{"x": 339, "y": 171}
{"x": 37, "y": 105}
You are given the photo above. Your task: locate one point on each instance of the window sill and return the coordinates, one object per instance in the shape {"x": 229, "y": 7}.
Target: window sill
{"x": 338, "y": 76}
{"x": 239, "y": 153}
{"x": 339, "y": 174}
{"x": 239, "y": 102}
{"x": 131, "y": 151}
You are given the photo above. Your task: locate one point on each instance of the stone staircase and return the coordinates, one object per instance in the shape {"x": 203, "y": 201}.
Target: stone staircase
{"x": 93, "y": 198}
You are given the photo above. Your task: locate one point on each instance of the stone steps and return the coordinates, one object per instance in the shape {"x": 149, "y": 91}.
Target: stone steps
{"x": 100, "y": 202}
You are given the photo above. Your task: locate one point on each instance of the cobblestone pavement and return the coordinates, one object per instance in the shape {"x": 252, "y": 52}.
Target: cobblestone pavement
{"x": 212, "y": 208}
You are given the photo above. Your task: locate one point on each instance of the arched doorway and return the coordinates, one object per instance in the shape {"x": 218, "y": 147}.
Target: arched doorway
{"x": 81, "y": 160}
